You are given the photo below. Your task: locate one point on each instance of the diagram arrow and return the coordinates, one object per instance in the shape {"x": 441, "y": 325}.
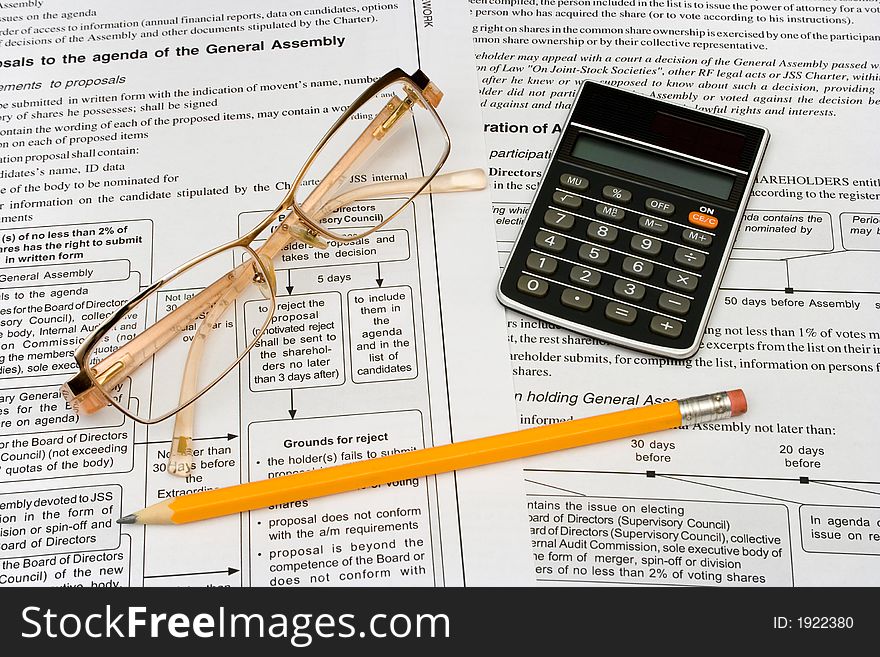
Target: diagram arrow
{"x": 291, "y": 410}
{"x": 228, "y": 571}
{"x": 228, "y": 436}
{"x": 289, "y": 284}
{"x": 379, "y": 278}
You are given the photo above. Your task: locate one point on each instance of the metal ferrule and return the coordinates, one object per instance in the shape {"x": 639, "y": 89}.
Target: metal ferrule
{"x": 705, "y": 408}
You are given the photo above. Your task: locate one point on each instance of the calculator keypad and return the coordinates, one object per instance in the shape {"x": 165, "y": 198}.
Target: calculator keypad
{"x": 637, "y": 210}
{"x": 624, "y": 259}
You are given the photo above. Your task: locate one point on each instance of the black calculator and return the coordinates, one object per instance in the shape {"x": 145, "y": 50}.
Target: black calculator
{"x": 629, "y": 233}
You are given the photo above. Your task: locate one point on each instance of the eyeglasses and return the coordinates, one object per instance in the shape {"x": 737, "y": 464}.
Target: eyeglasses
{"x": 174, "y": 338}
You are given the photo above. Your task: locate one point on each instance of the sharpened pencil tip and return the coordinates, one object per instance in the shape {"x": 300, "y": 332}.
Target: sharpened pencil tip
{"x": 130, "y": 519}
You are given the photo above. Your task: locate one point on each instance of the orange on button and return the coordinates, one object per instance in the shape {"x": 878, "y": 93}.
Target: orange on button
{"x": 703, "y": 220}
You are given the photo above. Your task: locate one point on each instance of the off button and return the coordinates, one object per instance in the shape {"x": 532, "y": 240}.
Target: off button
{"x": 661, "y": 207}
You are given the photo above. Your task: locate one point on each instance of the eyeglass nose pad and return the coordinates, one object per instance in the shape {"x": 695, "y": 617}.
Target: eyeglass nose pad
{"x": 266, "y": 283}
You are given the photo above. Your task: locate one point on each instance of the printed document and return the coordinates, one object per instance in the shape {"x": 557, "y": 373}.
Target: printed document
{"x": 787, "y": 494}
{"x": 132, "y": 139}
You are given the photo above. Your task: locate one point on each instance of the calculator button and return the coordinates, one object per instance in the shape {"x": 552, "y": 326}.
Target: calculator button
{"x": 617, "y": 194}
{"x": 593, "y": 254}
{"x": 541, "y": 264}
{"x": 584, "y": 276}
{"x": 703, "y": 220}
{"x": 532, "y": 286}
{"x": 602, "y": 233}
{"x": 620, "y": 314}
{"x": 660, "y": 207}
{"x": 571, "y": 181}
{"x": 646, "y": 245}
{"x": 629, "y": 290}
{"x": 689, "y": 258}
{"x": 637, "y": 268}
{"x": 557, "y": 219}
{"x": 651, "y": 225}
{"x": 609, "y": 212}
{"x": 681, "y": 281}
{"x": 668, "y": 328}
{"x": 576, "y": 299}
{"x": 674, "y": 304}
{"x": 696, "y": 238}
{"x": 549, "y": 241}
{"x": 567, "y": 200}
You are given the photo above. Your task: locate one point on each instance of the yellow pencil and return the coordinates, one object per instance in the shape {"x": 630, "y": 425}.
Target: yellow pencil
{"x": 445, "y": 458}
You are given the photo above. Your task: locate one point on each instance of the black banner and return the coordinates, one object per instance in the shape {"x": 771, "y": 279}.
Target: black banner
{"x": 434, "y": 621}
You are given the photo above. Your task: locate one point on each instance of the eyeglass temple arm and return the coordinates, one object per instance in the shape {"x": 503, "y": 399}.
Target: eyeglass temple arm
{"x": 457, "y": 181}
{"x": 180, "y": 457}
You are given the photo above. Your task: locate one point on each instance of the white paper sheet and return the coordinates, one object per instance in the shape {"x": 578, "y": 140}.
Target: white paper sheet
{"x": 163, "y": 102}
{"x": 787, "y": 494}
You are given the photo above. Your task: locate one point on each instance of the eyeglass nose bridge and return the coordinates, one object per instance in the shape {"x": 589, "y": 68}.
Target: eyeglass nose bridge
{"x": 303, "y": 231}
{"x": 264, "y": 278}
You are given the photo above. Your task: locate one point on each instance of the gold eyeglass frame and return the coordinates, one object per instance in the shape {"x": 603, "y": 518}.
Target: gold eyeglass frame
{"x": 88, "y": 391}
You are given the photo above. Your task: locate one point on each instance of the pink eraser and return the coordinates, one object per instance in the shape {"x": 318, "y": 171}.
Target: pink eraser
{"x": 738, "y": 403}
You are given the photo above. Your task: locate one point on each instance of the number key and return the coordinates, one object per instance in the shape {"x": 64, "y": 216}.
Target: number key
{"x": 559, "y": 220}
{"x": 584, "y": 276}
{"x": 593, "y": 254}
{"x": 602, "y": 233}
{"x": 646, "y": 245}
{"x": 637, "y": 268}
{"x": 541, "y": 264}
{"x": 549, "y": 241}
{"x": 629, "y": 290}
{"x": 532, "y": 286}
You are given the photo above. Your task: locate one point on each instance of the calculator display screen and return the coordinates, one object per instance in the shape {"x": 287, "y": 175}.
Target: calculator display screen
{"x": 650, "y": 165}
